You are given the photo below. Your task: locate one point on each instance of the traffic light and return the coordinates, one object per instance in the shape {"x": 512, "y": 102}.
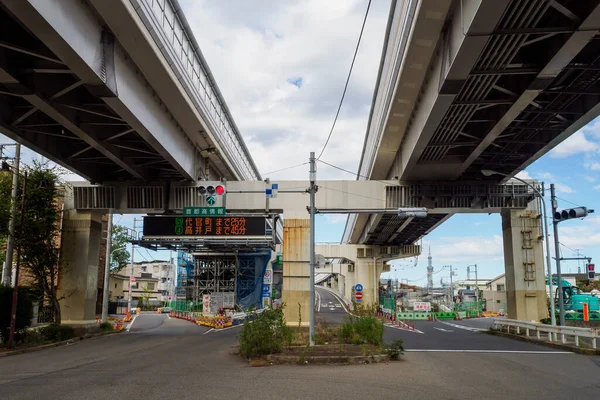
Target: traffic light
{"x": 215, "y": 189}
{"x": 578, "y": 212}
{"x": 590, "y": 271}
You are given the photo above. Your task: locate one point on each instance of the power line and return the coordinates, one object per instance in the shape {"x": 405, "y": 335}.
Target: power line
{"x": 347, "y": 80}
{"x": 353, "y": 173}
{"x": 285, "y": 169}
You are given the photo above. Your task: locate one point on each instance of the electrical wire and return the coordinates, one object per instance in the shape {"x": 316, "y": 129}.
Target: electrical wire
{"x": 353, "y": 173}
{"x": 285, "y": 169}
{"x": 347, "y": 81}
{"x": 351, "y": 194}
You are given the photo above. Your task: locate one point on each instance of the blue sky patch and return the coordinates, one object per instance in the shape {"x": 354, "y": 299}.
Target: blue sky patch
{"x": 296, "y": 81}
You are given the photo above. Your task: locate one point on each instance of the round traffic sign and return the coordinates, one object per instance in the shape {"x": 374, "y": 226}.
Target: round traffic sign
{"x": 358, "y": 296}
{"x": 358, "y": 287}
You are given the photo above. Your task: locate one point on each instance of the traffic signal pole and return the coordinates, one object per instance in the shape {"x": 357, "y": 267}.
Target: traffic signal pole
{"x": 561, "y": 304}
{"x": 312, "y": 190}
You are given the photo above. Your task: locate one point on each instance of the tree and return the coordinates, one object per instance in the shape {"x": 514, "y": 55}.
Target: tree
{"x": 24, "y": 310}
{"x": 121, "y": 256}
{"x": 38, "y": 237}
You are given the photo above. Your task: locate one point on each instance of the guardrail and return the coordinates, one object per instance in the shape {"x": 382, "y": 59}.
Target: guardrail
{"x": 553, "y": 332}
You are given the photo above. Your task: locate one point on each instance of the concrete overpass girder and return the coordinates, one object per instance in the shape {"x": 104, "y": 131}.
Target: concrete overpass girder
{"x": 74, "y": 34}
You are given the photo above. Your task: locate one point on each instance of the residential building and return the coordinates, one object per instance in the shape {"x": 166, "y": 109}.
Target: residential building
{"x": 157, "y": 277}
{"x": 143, "y": 286}
{"x": 495, "y": 294}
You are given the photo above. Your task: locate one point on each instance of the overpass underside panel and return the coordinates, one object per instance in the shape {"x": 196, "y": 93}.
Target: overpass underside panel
{"x": 536, "y": 81}
{"x": 394, "y": 230}
{"x": 60, "y": 96}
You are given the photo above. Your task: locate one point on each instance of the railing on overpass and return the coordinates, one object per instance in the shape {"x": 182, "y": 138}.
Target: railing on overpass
{"x": 458, "y": 195}
{"x": 552, "y": 332}
{"x": 189, "y": 65}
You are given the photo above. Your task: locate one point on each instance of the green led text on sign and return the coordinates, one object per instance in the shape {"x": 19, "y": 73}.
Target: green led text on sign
{"x": 204, "y": 211}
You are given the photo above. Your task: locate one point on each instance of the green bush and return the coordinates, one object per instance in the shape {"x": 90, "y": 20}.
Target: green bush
{"x": 266, "y": 334}
{"x": 395, "y": 349}
{"x": 361, "y": 330}
{"x": 107, "y": 327}
{"x": 56, "y": 333}
{"x": 24, "y": 310}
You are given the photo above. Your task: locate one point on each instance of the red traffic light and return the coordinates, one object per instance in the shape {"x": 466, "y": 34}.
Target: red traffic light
{"x": 591, "y": 267}
{"x": 220, "y": 189}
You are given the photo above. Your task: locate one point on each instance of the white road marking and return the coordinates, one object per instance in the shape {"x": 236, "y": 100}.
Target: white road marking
{"x": 131, "y": 323}
{"x": 463, "y": 327}
{"x": 442, "y": 329}
{"x": 340, "y": 301}
{"x": 484, "y": 351}
{"x": 403, "y": 328}
{"x": 223, "y": 329}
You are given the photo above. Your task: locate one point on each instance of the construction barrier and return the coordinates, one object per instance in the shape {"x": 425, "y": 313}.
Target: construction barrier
{"x": 412, "y": 316}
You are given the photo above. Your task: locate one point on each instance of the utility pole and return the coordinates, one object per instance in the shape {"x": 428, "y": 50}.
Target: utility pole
{"x": 107, "y": 266}
{"x": 132, "y": 260}
{"x": 10, "y": 243}
{"x": 312, "y": 190}
{"x": 561, "y": 304}
{"x": 476, "y": 290}
{"x": 15, "y": 293}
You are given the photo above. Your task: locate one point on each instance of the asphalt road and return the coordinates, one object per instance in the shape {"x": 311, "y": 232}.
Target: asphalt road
{"x": 329, "y": 308}
{"x": 168, "y": 358}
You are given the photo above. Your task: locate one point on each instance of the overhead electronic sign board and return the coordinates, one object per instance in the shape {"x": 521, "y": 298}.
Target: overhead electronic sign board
{"x": 204, "y": 226}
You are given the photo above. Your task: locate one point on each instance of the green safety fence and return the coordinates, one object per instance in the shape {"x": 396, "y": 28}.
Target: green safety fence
{"x": 412, "y": 316}
{"x": 577, "y": 316}
{"x": 184, "y": 305}
{"x": 445, "y": 315}
{"x": 469, "y": 306}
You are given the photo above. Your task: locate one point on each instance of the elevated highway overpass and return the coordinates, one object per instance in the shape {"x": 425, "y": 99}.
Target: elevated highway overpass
{"x": 470, "y": 85}
{"x": 467, "y": 85}
{"x": 115, "y": 90}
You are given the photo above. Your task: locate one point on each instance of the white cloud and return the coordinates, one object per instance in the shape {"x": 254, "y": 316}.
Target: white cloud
{"x": 581, "y": 235}
{"x": 589, "y": 178}
{"x": 335, "y": 218}
{"x": 564, "y": 188}
{"x": 593, "y": 166}
{"x": 524, "y": 175}
{"x": 257, "y": 50}
{"x": 597, "y": 187}
{"x": 575, "y": 144}
{"x": 547, "y": 176}
{"x": 468, "y": 248}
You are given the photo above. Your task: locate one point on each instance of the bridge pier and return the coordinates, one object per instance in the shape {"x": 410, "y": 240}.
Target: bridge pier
{"x": 524, "y": 263}
{"x": 296, "y": 270}
{"x": 78, "y": 280}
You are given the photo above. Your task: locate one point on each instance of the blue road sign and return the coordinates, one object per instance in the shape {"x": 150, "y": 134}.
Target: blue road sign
{"x": 266, "y": 289}
{"x": 358, "y": 287}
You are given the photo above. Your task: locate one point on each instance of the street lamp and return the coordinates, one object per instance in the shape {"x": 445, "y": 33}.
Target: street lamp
{"x": 487, "y": 172}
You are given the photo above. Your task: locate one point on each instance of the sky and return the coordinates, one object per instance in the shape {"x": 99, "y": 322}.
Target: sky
{"x": 282, "y": 66}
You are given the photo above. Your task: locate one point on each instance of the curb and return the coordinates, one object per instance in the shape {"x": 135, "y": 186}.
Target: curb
{"x": 558, "y": 346}
{"x": 298, "y": 359}
{"x": 50, "y": 345}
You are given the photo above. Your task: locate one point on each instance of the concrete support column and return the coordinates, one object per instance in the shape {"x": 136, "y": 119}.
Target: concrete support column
{"x": 296, "y": 270}
{"x": 80, "y": 251}
{"x": 524, "y": 263}
{"x": 365, "y": 276}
